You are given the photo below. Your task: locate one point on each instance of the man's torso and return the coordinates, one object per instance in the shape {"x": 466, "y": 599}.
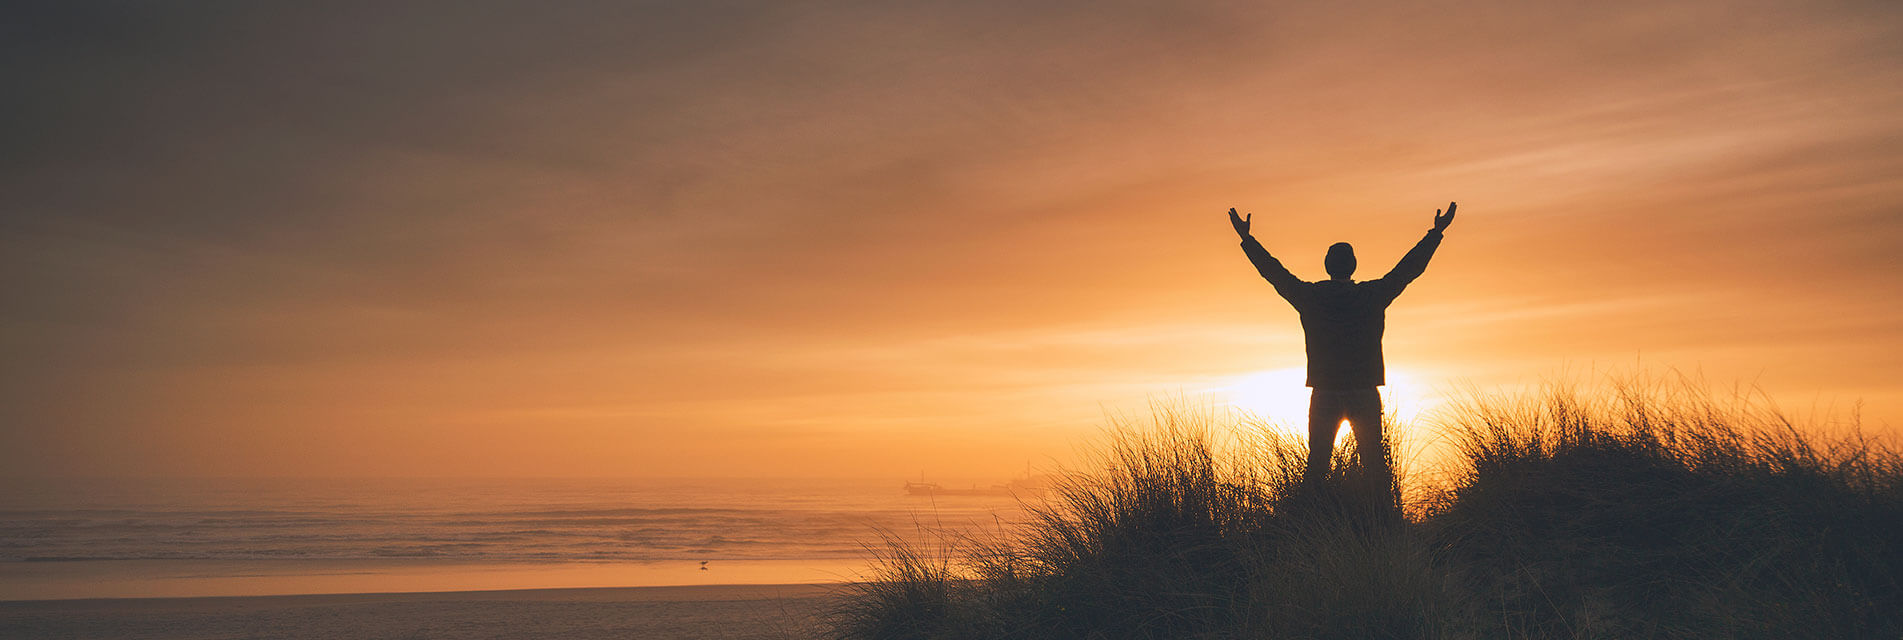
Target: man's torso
{"x": 1342, "y": 323}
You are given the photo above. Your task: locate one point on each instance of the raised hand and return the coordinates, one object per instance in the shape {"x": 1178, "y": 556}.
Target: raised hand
{"x": 1240, "y": 223}
{"x": 1440, "y": 221}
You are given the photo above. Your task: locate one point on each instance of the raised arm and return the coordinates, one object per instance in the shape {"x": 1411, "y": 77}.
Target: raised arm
{"x": 1414, "y": 263}
{"x": 1271, "y": 269}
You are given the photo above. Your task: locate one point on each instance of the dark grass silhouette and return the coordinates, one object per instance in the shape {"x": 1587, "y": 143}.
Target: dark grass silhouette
{"x": 1641, "y": 511}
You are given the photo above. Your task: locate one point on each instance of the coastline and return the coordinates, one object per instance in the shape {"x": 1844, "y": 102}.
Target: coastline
{"x": 691, "y": 612}
{"x": 97, "y": 579}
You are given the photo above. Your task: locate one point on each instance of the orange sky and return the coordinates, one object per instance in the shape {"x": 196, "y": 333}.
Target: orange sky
{"x": 866, "y": 239}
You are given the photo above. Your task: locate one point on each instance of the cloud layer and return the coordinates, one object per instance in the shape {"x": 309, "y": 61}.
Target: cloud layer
{"x": 688, "y": 238}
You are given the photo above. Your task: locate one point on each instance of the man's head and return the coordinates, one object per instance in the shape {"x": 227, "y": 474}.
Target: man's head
{"x": 1340, "y": 261}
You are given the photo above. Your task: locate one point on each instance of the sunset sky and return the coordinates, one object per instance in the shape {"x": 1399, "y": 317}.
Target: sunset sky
{"x": 884, "y": 238}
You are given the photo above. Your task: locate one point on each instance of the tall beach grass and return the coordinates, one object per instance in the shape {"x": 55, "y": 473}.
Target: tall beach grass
{"x": 1631, "y": 510}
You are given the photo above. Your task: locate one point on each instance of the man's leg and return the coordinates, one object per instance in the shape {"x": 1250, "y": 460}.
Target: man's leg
{"x": 1363, "y": 407}
{"x": 1324, "y": 420}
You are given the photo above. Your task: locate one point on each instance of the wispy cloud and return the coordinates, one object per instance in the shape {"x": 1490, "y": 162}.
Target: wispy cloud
{"x": 231, "y": 228}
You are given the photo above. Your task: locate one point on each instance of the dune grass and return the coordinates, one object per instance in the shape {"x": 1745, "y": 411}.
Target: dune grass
{"x": 1636, "y": 511}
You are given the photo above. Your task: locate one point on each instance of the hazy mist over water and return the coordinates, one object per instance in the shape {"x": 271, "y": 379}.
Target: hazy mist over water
{"x": 199, "y": 527}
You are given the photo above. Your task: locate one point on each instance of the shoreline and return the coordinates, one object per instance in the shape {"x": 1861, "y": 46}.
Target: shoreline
{"x": 35, "y": 581}
{"x": 640, "y": 593}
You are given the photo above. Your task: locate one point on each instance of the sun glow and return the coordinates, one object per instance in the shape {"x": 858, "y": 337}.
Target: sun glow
{"x": 1278, "y": 395}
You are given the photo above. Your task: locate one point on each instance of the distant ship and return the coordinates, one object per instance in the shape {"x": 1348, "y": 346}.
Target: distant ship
{"x": 1030, "y": 486}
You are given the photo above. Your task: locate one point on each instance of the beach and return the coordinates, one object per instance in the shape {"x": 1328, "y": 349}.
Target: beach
{"x": 702, "y": 612}
{"x": 435, "y": 558}
{"x": 186, "y": 539}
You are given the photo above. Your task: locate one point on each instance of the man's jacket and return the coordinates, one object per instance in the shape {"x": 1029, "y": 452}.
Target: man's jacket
{"x": 1343, "y": 320}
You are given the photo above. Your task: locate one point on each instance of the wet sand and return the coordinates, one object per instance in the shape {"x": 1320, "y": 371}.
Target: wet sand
{"x": 708, "y": 612}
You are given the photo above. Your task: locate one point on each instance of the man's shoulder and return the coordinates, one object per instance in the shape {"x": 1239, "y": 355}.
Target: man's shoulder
{"x": 1376, "y": 284}
{"x": 1343, "y": 286}
{"x": 1348, "y": 291}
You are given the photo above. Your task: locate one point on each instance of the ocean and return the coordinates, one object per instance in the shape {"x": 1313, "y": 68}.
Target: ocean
{"x": 212, "y": 537}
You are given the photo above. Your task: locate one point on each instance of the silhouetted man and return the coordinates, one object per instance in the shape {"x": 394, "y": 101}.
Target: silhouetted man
{"x": 1342, "y": 321}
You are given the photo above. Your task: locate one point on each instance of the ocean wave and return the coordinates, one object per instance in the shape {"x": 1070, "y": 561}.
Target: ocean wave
{"x": 526, "y": 522}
